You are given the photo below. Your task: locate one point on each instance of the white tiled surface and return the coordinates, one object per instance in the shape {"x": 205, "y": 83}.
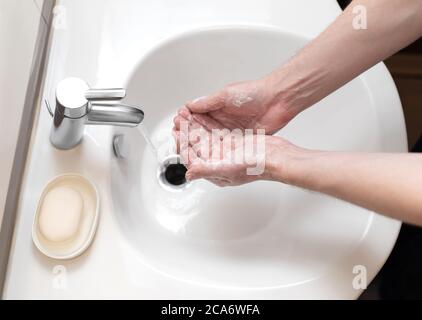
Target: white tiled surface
{"x": 19, "y": 21}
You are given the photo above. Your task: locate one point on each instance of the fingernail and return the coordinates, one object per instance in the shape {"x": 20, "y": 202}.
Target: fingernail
{"x": 184, "y": 112}
{"x": 198, "y": 99}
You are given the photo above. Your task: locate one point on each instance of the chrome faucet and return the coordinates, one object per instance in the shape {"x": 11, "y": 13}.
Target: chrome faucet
{"x": 77, "y": 105}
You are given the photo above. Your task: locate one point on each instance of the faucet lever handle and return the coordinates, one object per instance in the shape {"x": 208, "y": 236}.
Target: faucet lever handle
{"x": 113, "y": 94}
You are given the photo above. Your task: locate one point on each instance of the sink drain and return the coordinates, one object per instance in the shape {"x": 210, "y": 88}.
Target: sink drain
{"x": 175, "y": 174}
{"x": 172, "y": 173}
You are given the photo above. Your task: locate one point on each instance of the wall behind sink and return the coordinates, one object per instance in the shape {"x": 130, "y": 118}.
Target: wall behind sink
{"x": 19, "y": 24}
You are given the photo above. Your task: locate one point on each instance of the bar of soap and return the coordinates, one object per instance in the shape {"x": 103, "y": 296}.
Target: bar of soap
{"x": 60, "y": 214}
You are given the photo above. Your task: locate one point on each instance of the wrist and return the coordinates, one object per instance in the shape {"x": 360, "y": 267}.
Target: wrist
{"x": 296, "y": 86}
{"x": 283, "y": 160}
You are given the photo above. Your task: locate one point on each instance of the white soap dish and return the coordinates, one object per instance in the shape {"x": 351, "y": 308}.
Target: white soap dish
{"x": 67, "y": 217}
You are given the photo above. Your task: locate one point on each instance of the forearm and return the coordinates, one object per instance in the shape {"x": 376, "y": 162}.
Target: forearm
{"x": 390, "y": 184}
{"x": 341, "y": 52}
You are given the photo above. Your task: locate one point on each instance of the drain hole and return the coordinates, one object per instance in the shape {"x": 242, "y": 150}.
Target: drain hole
{"x": 175, "y": 174}
{"x": 172, "y": 174}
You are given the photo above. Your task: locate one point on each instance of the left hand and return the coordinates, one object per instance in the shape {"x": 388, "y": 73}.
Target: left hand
{"x": 227, "y": 161}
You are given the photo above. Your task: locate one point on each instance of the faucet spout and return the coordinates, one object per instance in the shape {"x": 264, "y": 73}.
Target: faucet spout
{"x": 116, "y": 115}
{"x": 78, "y": 105}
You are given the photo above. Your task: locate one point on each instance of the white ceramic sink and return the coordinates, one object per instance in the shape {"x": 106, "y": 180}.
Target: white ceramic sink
{"x": 263, "y": 235}
{"x": 261, "y": 241}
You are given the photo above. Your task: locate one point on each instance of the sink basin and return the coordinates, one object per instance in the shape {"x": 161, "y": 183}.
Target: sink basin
{"x": 265, "y": 234}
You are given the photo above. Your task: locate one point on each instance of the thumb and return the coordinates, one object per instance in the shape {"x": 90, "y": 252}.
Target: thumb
{"x": 208, "y": 103}
{"x": 200, "y": 170}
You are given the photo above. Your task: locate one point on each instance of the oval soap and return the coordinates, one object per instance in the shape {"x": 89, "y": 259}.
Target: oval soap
{"x": 60, "y": 214}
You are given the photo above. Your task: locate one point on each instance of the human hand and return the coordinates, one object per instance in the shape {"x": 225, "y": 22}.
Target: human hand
{"x": 245, "y": 105}
{"x": 232, "y": 158}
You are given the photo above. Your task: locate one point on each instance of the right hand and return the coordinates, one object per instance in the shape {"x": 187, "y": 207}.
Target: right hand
{"x": 233, "y": 159}
{"x": 245, "y": 105}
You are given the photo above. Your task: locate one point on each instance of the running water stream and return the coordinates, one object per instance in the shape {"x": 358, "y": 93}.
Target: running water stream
{"x": 144, "y": 131}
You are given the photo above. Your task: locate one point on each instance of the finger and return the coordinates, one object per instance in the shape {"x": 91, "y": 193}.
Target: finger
{"x": 183, "y": 124}
{"x": 201, "y": 170}
{"x": 185, "y": 113}
{"x": 189, "y": 157}
{"x": 182, "y": 142}
{"x": 196, "y": 148}
{"x": 195, "y": 133}
{"x": 203, "y": 147}
{"x": 195, "y": 125}
{"x": 177, "y": 121}
{"x": 198, "y": 134}
{"x": 207, "y": 122}
{"x": 192, "y": 158}
{"x": 175, "y": 133}
{"x": 209, "y": 103}
{"x": 180, "y": 146}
